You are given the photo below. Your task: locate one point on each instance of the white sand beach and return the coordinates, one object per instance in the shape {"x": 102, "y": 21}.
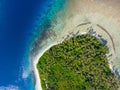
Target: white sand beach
{"x": 104, "y": 13}
{"x": 38, "y": 83}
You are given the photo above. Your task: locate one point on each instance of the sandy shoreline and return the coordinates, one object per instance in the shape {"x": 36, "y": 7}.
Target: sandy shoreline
{"x": 38, "y": 81}
{"x": 106, "y": 14}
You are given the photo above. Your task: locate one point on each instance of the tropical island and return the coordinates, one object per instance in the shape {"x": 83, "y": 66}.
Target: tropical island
{"x": 78, "y": 63}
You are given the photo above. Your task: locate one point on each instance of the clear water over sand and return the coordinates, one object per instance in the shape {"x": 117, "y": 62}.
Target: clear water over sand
{"x": 102, "y": 14}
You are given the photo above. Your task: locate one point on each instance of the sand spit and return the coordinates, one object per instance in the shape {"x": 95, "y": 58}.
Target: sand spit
{"x": 78, "y": 15}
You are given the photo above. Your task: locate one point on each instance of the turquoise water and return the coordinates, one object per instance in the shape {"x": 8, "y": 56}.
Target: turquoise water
{"x": 21, "y": 23}
{"x": 44, "y": 22}
{"x": 25, "y": 26}
{"x": 44, "y": 25}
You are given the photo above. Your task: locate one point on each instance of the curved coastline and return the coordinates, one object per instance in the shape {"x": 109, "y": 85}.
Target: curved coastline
{"x": 106, "y": 15}
{"x": 37, "y": 75}
{"x": 38, "y": 81}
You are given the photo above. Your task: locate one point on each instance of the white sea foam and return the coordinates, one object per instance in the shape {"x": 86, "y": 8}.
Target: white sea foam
{"x": 10, "y": 87}
{"x": 25, "y": 74}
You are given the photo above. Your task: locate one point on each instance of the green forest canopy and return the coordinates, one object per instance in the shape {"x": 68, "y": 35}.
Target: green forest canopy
{"x": 79, "y": 63}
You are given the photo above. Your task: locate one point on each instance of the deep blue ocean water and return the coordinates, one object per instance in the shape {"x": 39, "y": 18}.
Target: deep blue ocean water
{"x": 19, "y": 25}
{"x": 18, "y": 18}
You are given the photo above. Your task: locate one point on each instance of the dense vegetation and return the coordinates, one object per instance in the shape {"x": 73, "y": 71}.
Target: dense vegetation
{"x": 79, "y": 63}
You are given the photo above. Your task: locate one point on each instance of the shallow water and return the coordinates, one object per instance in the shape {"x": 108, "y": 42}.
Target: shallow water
{"x": 18, "y": 22}
{"x": 104, "y": 13}
{"x": 28, "y": 27}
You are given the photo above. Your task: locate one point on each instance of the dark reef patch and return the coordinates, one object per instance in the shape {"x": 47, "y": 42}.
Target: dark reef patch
{"x": 43, "y": 31}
